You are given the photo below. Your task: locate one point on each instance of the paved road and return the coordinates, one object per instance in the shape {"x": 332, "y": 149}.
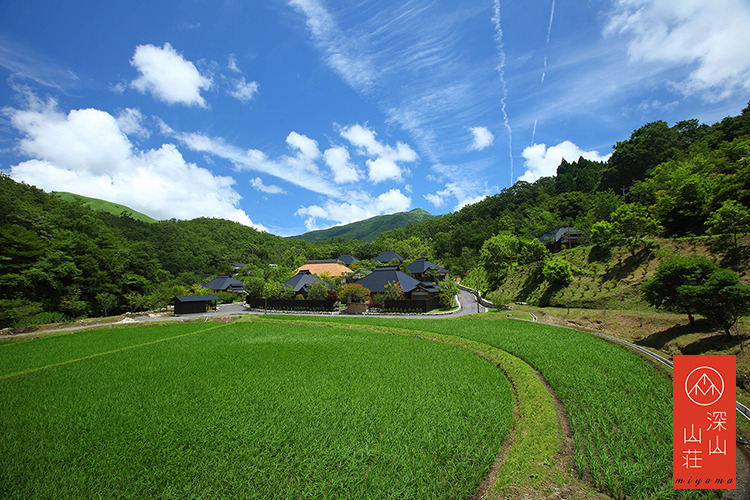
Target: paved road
{"x": 467, "y": 301}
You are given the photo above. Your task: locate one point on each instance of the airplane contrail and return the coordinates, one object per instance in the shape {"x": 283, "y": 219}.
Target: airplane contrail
{"x": 544, "y": 70}
{"x": 501, "y": 71}
{"x": 549, "y": 28}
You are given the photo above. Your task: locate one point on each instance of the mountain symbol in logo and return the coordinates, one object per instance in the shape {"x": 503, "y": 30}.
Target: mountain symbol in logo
{"x": 704, "y": 386}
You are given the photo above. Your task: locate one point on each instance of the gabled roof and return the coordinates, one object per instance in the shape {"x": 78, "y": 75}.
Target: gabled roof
{"x": 381, "y": 276}
{"x": 558, "y": 232}
{"x": 196, "y": 298}
{"x": 301, "y": 280}
{"x": 347, "y": 259}
{"x": 331, "y": 268}
{"x": 388, "y": 256}
{"x": 421, "y": 266}
{"x": 224, "y": 283}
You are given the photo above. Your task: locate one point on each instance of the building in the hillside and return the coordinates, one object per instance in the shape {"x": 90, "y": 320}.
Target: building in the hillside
{"x": 347, "y": 259}
{"x": 563, "y": 237}
{"x": 192, "y": 304}
{"x": 300, "y": 281}
{"x": 387, "y": 257}
{"x": 424, "y": 270}
{"x": 412, "y": 288}
{"x": 331, "y": 267}
{"x": 238, "y": 268}
{"x": 225, "y": 284}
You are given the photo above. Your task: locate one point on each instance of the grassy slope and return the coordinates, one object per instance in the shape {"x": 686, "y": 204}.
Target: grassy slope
{"x": 605, "y": 281}
{"x": 104, "y": 206}
{"x": 605, "y": 297}
{"x": 368, "y": 229}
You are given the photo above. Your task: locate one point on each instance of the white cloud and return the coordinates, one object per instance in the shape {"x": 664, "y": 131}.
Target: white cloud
{"x": 232, "y": 63}
{"x": 483, "y": 138}
{"x": 382, "y": 164}
{"x": 437, "y": 199}
{"x": 298, "y": 170}
{"x": 711, "y": 37}
{"x": 337, "y": 159}
{"x": 258, "y": 184}
{"x": 243, "y": 90}
{"x": 307, "y": 148}
{"x": 340, "y": 52}
{"x": 541, "y": 161}
{"x": 86, "y": 152}
{"x": 130, "y": 121}
{"x": 381, "y": 169}
{"x": 168, "y": 76}
{"x": 469, "y": 201}
{"x": 362, "y": 206}
{"x": 464, "y": 192}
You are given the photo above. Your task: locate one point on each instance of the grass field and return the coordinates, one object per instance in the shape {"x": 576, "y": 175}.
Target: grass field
{"x": 619, "y": 406}
{"x": 249, "y": 410}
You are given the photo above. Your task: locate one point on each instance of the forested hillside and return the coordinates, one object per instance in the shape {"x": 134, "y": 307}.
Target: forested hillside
{"x": 62, "y": 257}
{"x": 679, "y": 176}
{"x": 667, "y": 181}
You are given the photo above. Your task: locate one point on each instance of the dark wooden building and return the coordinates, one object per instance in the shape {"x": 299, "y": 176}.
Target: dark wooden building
{"x": 192, "y": 304}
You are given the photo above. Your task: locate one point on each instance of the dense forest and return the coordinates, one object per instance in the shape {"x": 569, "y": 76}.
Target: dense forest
{"x": 61, "y": 258}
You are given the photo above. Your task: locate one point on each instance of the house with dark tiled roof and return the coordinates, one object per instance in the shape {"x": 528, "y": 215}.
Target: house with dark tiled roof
{"x": 346, "y": 259}
{"x": 424, "y": 270}
{"x": 387, "y": 257}
{"x": 300, "y": 281}
{"x": 225, "y": 284}
{"x": 412, "y": 288}
{"x": 563, "y": 237}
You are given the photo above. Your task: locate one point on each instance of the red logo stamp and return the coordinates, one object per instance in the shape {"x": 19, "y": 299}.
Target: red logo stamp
{"x": 704, "y": 445}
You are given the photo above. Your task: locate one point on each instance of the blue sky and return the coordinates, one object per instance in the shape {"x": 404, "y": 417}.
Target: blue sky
{"x": 303, "y": 114}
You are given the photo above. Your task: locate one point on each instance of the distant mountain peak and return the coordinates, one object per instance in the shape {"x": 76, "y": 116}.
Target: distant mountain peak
{"x": 368, "y": 229}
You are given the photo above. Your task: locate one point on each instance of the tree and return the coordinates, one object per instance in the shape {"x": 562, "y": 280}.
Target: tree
{"x": 354, "y": 293}
{"x": 497, "y": 255}
{"x": 253, "y": 286}
{"x": 558, "y": 272}
{"x": 106, "y": 301}
{"x": 722, "y": 298}
{"x": 317, "y": 290}
{"x": 603, "y": 234}
{"x": 665, "y": 290}
{"x": 732, "y": 219}
{"x": 531, "y": 251}
{"x": 633, "y": 222}
{"x": 393, "y": 291}
{"x": 271, "y": 289}
{"x": 135, "y": 301}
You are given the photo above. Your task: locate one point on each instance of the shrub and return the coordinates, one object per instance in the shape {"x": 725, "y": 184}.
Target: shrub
{"x": 393, "y": 291}
{"x": 557, "y": 271}
{"x": 354, "y": 293}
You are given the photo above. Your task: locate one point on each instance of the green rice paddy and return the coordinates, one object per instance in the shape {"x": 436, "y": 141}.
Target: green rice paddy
{"x": 328, "y": 408}
{"x": 249, "y": 410}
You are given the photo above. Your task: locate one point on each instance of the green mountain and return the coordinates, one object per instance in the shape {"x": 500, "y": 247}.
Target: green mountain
{"x": 103, "y": 206}
{"x": 369, "y": 229}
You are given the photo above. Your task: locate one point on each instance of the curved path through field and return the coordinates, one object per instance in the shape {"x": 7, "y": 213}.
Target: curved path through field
{"x": 535, "y": 462}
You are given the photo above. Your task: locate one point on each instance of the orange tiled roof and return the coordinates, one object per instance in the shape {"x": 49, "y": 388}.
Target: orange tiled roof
{"x": 333, "y": 269}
